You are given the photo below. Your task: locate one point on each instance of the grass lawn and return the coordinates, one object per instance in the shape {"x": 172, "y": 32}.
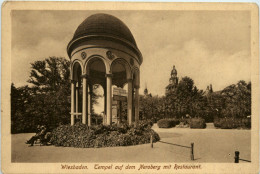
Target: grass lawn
{"x": 210, "y": 145}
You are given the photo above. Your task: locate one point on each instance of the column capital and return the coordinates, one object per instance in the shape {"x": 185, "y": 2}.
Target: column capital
{"x": 137, "y": 87}
{"x": 109, "y": 75}
{"x": 73, "y": 81}
{"x": 84, "y": 76}
{"x": 129, "y": 80}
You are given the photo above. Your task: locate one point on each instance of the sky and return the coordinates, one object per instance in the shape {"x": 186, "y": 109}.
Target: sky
{"x": 211, "y": 47}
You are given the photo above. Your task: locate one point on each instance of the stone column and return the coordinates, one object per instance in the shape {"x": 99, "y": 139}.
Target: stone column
{"x": 130, "y": 101}
{"x": 109, "y": 99}
{"x": 84, "y": 99}
{"x": 105, "y": 107}
{"x": 89, "y": 104}
{"x": 77, "y": 98}
{"x": 136, "y": 105}
{"x": 72, "y": 121}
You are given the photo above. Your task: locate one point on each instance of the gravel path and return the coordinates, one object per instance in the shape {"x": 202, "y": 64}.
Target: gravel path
{"x": 210, "y": 145}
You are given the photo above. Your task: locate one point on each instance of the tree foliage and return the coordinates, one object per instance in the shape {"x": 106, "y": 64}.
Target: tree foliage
{"x": 151, "y": 107}
{"x": 51, "y": 74}
{"x": 187, "y": 100}
{"x": 47, "y": 99}
{"x": 237, "y": 98}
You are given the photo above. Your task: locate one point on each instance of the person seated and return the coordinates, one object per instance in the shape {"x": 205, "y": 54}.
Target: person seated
{"x": 39, "y": 135}
{"x": 42, "y": 134}
{"x": 38, "y": 130}
{"x": 46, "y": 139}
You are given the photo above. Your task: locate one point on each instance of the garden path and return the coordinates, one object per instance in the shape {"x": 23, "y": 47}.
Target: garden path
{"x": 210, "y": 145}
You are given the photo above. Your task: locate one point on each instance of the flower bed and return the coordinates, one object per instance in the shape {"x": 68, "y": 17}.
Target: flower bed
{"x": 184, "y": 123}
{"x": 80, "y": 135}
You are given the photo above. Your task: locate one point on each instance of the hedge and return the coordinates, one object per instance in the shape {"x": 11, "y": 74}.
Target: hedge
{"x": 197, "y": 123}
{"x": 167, "y": 123}
{"x": 216, "y": 122}
{"x": 232, "y": 123}
{"x": 80, "y": 135}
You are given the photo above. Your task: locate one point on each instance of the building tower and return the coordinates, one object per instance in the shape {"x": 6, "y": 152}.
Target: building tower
{"x": 145, "y": 90}
{"x": 173, "y": 81}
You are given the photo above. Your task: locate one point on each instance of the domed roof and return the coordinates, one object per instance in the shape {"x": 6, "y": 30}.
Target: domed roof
{"x": 104, "y": 25}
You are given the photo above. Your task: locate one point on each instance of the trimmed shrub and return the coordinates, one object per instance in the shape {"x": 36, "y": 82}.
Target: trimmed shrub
{"x": 164, "y": 123}
{"x": 232, "y": 123}
{"x": 80, "y": 135}
{"x": 176, "y": 121}
{"x": 197, "y": 123}
{"x": 217, "y": 122}
{"x": 228, "y": 123}
{"x": 167, "y": 123}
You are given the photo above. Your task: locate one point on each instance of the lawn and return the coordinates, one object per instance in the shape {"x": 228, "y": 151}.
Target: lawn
{"x": 210, "y": 146}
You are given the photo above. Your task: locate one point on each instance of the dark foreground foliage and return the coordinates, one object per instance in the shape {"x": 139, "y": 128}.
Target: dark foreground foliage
{"x": 197, "y": 123}
{"x": 80, "y": 135}
{"x": 232, "y": 123}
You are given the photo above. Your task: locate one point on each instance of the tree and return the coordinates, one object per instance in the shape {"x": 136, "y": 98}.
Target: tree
{"x": 237, "y": 98}
{"x": 47, "y": 99}
{"x": 50, "y": 74}
{"x": 50, "y": 78}
{"x": 21, "y": 119}
{"x": 151, "y": 107}
{"x": 215, "y": 105}
{"x": 146, "y": 106}
{"x": 185, "y": 99}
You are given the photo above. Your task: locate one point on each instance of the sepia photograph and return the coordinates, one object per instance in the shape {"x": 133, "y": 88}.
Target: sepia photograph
{"x": 130, "y": 87}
